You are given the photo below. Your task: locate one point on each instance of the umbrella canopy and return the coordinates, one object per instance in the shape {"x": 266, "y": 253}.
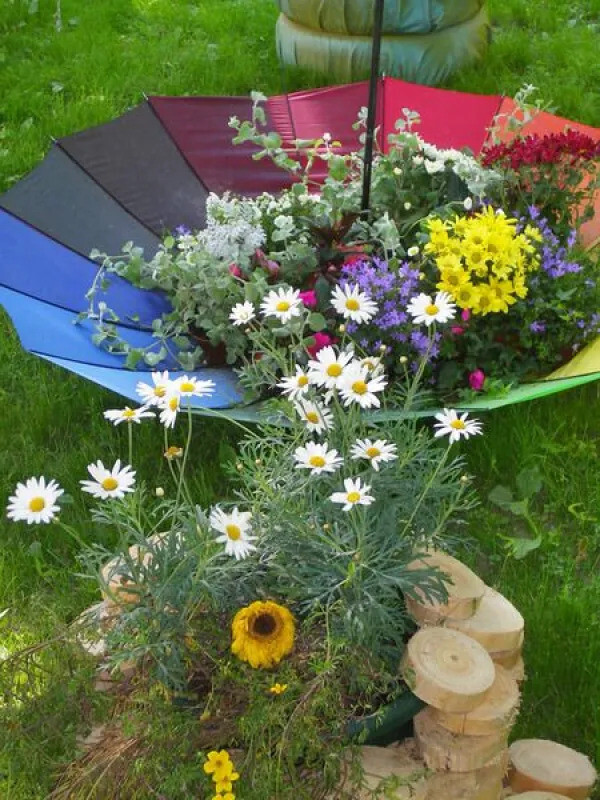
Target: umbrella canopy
{"x": 151, "y": 170}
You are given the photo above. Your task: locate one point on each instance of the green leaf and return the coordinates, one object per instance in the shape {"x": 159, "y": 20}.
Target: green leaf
{"x": 501, "y": 496}
{"x": 520, "y": 547}
{"x": 133, "y": 357}
{"x": 529, "y": 482}
{"x": 323, "y": 291}
{"x": 317, "y": 322}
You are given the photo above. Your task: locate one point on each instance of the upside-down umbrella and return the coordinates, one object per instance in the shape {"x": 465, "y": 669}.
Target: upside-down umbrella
{"x": 151, "y": 170}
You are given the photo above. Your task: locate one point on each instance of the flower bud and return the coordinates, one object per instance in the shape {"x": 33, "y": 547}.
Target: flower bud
{"x": 159, "y": 491}
{"x": 403, "y": 359}
{"x": 412, "y": 251}
{"x": 407, "y": 206}
{"x": 341, "y": 328}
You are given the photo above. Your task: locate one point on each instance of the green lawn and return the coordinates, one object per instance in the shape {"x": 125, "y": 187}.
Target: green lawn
{"x": 107, "y": 55}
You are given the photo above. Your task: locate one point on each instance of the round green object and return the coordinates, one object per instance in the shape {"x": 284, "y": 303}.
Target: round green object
{"x": 427, "y": 58}
{"x": 355, "y": 17}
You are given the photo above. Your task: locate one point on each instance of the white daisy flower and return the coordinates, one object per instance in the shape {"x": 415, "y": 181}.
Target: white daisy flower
{"x": 153, "y": 394}
{"x": 282, "y": 304}
{"x": 353, "y": 304}
{"x": 372, "y": 364}
{"x": 118, "y": 415}
{"x": 316, "y": 416}
{"x": 234, "y": 528}
{"x": 423, "y": 309}
{"x": 242, "y": 313}
{"x": 354, "y": 494}
{"x": 193, "y": 387}
{"x": 296, "y": 385}
{"x": 376, "y": 452}
{"x": 357, "y": 387}
{"x": 170, "y": 407}
{"x": 107, "y": 483}
{"x": 457, "y": 426}
{"x": 317, "y": 458}
{"x": 328, "y": 367}
{"x": 34, "y": 501}
{"x": 412, "y": 251}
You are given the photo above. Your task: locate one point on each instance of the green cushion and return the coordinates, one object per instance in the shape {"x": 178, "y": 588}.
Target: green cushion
{"x": 421, "y": 58}
{"x": 400, "y": 16}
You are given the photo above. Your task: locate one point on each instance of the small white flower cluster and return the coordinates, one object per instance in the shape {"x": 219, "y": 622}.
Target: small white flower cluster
{"x": 284, "y": 303}
{"x": 353, "y": 381}
{"x": 166, "y": 396}
{"x": 233, "y": 228}
{"x": 477, "y": 178}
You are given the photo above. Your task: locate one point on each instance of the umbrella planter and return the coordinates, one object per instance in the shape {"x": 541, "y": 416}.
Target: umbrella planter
{"x": 105, "y": 190}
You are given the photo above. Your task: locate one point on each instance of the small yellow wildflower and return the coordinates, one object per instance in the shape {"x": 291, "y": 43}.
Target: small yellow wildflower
{"x": 278, "y": 688}
{"x": 226, "y": 796}
{"x": 219, "y": 765}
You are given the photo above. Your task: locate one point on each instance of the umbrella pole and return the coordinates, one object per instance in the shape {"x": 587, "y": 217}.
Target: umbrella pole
{"x": 372, "y": 108}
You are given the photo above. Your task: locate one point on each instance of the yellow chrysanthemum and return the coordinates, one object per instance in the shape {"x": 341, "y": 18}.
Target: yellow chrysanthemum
{"x": 483, "y": 260}
{"x": 263, "y": 633}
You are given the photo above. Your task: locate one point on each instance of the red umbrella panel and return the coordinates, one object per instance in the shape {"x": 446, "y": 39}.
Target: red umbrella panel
{"x": 151, "y": 170}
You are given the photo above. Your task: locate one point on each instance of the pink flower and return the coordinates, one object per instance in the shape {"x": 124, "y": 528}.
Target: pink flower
{"x": 321, "y": 341}
{"x": 235, "y": 270}
{"x": 476, "y": 380}
{"x": 465, "y": 315}
{"x": 457, "y": 330}
{"x": 309, "y": 298}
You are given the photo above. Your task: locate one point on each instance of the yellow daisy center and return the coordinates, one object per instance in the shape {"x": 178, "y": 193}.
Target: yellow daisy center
{"x": 37, "y": 504}
{"x": 173, "y": 404}
{"x": 360, "y": 387}
{"x": 159, "y": 391}
{"x": 128, "y": 413}
{"x": 334, "y": 370}
{"x": 458, "y": 425}
{"x": 282, "y": 305}
{"x": 352, "y": 304}
{"x": 373, "y": 452}
{"x": 431, "y": 309}
{"x": 302, "y": 380}
{"x": 109, "y": 484}
{"x": 353, "y": 497}
{"x": 187, "y": 386}
{"x": 312, "y": 416}
{"x": 317, "y": 461}
{"x": 233, "y": 532}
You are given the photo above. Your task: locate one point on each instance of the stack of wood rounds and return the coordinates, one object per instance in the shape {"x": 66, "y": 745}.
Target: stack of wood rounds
{"x": 474, "y": 609}
{"x": 462, "y": 736}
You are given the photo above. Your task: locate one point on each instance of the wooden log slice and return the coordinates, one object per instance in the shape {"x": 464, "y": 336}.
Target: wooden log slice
{"x": 447, "y": 669}
{"x": 537, "y": 796}
{"x": 496, "y": 624}
{"x": 442, "y": 750}
{"x": 544, "y": 765}
{"x": 518, "y": 671}
{"x": 495, "y": 714}
{"x": 90, "y": 626}
{"x": 384, "y": 772}
{"x": 115, "y": 575}
{"x": 507, "y": 658}
{"x": 465, "y": 590}
{"x": 481, "y": 784}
